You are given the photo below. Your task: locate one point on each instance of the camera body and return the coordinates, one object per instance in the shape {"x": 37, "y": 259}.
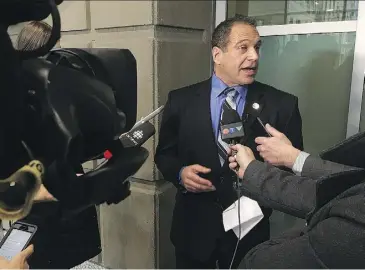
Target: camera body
{"x": 62, "y": 108}
{"x": 79, "y": 101}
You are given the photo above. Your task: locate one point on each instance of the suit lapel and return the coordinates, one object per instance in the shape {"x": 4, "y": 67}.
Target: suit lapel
{"x": 254, "y": 95}
{"x": 203, "y": 118}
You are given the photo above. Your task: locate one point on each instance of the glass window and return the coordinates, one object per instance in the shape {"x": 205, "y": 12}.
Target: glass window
{"x": 317, "y": 68}
{"x": 289, "y": 11}
{"x": 362, "y": 116}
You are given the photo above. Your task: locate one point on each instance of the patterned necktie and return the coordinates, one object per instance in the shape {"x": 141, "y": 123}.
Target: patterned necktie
{"x": 229, "y": 103}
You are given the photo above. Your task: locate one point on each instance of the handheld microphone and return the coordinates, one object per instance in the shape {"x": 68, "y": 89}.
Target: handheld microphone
{"x": 134, "y": 138}
{"x": 137, "y": 135}
{"x": 231, "y": 132}
{"x": 255, "y": 110}
{"x": 141, "y": 131}
{"x": 231, "y": 127}
{"x": 149, "y": 117}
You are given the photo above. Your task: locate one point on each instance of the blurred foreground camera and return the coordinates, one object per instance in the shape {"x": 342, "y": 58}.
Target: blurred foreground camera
{"x": 62, "y": 108}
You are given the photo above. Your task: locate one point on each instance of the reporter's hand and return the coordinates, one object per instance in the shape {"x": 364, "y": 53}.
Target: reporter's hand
{"x": 242, "y": 158}
{"x": 44, "y": 195}
{"x": 19, "y": 261}
{"x": 278, "y": 149}
{"x": 193, "y": 182}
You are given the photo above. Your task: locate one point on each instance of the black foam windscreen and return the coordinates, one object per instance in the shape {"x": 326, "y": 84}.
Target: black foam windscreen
{"x": 231, "y": 125}
{"x": 138, "y": 135}
{"x": 229, "y": 115}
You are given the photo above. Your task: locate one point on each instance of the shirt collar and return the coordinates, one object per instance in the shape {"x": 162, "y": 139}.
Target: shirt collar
{"x": 218, "y": 86}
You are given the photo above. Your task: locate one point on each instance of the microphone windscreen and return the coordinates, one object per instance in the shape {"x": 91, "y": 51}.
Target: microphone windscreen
{"x": 230, "y": 116}
{"x": 138, "y": 135}
{"x": 231, "y": 125}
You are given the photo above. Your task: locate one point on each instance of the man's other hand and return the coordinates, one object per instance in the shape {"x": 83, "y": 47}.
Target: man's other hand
{"x": 19, "y": 261}
{"x": 193, "y": 182}
{"x": 277, "y": 150}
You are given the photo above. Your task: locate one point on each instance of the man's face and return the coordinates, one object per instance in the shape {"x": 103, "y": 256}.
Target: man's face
{"x": 238, "y": 62}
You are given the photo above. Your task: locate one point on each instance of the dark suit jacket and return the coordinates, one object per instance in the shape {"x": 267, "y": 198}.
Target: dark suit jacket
{"x": 335, "y": 234}
{"x": 187, "y": 138}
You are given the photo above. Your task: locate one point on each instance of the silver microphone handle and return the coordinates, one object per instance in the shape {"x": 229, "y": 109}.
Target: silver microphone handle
{"x": 149, "y": 117}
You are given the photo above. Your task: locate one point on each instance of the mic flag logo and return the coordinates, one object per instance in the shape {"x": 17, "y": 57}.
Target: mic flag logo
{"x": 138, "y": 134}
{"x": 231, "y": 130}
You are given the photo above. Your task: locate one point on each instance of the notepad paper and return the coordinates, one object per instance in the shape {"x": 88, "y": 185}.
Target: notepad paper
{"x": 250, "y": 216}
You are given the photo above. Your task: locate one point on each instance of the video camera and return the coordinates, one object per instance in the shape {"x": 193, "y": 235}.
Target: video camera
{"x": 61, "y": 108}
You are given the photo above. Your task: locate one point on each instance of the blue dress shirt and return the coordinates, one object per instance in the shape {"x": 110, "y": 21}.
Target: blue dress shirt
{"x": 216, "y": 101}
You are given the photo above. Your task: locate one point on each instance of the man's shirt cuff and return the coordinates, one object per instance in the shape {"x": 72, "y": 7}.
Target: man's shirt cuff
{"x": 179, "y": 177}
{"x": 299, "y": 163}
{"x": 183, "y": 189}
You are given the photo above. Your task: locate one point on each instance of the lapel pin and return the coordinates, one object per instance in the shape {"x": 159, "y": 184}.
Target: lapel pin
{"x": 255, "y": 106}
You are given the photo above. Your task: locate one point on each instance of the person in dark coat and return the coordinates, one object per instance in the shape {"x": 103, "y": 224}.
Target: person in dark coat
{"x": 330, "y": 196}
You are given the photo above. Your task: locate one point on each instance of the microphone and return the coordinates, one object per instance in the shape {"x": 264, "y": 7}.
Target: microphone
{"x": 141, "y": 131}
{"x": 150, "y": 116}
{"x": 137, "y": 135}
{"x": 231, "y": 127}
{"x": 255, "y": 110}
{"x": 232, "y": 130}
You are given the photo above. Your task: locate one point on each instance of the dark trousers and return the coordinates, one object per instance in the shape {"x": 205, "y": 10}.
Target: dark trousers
{"x": 225, "y": 248}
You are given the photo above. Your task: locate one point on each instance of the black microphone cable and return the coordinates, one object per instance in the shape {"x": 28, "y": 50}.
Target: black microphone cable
{"x": 238, "y": 193}
{"x": 232, "y": 131}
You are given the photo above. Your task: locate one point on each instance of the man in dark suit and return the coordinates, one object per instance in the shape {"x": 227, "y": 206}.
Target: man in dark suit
{"x": 191, "y": 155}
{"x": 330, "y": 196}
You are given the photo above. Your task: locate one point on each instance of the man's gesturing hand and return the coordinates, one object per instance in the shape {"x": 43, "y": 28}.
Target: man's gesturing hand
{"x": 193, "y": 182}
{"x": 19, "y": 261}
{"x": 277, "y": 150}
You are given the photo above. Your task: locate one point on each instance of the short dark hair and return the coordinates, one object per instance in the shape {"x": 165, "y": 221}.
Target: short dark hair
{"x": 220, "y": 37}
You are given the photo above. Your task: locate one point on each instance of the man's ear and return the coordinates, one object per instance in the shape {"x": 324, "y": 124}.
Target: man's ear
{"x": 217, "y": 55}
